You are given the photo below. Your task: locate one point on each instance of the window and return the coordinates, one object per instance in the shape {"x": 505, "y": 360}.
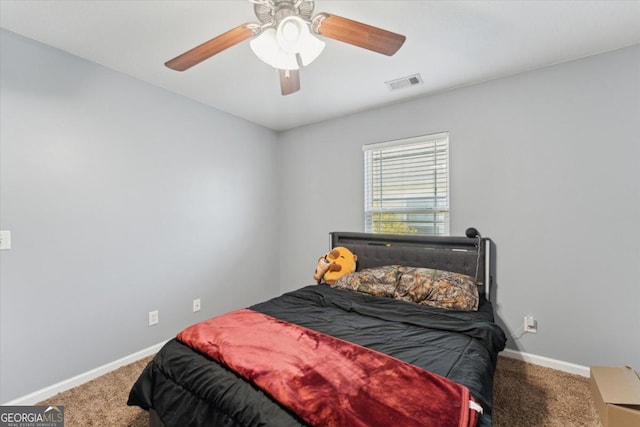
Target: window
{"x": 407, "y": 186}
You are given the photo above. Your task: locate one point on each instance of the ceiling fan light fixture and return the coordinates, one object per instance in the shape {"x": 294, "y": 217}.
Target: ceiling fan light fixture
{"x": 294, "y": 36}
{"x": 267, "y": 48}
{"x": 286, "y": 39}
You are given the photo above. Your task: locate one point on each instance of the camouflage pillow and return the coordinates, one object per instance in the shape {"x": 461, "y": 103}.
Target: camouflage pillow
{"x": 436, "y": 288}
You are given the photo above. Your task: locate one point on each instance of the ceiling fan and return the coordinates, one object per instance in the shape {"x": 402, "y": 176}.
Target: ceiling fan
{"x": 285, "y": 38}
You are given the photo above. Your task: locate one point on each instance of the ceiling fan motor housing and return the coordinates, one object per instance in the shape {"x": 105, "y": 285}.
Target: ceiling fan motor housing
{"x": 272, "y": 12}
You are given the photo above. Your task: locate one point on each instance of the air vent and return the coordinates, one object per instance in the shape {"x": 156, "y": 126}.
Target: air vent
{"x": 404, "y": 82}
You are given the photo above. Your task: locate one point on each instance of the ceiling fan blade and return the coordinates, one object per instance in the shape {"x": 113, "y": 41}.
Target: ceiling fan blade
{"x": 357, "y": 33}
{"x": 289, "y": 81}
{"x": 212, "y": 47}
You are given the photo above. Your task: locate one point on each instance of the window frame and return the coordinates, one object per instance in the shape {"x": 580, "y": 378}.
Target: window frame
{"x": 435, "y": 142}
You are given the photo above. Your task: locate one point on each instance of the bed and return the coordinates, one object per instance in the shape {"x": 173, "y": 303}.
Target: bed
{"x": 185, "y": 385}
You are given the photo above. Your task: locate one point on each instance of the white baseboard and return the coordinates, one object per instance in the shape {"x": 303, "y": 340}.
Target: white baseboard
{"x": 52, "y": 390}
{"x": 547, "y": 362}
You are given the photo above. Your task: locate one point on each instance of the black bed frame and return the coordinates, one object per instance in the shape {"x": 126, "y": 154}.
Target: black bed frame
{"x": 470, "y": 256}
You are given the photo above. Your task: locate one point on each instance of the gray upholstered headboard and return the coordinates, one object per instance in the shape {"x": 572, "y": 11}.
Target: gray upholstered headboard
{"x": 464, "y": 255}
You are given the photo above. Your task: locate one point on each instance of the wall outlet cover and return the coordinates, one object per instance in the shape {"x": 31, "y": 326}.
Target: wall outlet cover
{"x": 153, "y": 318}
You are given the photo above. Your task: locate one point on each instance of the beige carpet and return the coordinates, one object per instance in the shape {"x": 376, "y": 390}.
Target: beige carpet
{"x": 525, "y": 395}
{"x": 529, "y": 395}
{"x": 103, "y": 401}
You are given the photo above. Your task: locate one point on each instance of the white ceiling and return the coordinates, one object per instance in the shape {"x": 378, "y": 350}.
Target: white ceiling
{"x": 450, "y": 43}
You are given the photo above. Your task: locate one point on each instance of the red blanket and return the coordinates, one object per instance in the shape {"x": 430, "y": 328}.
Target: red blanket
{"x": 328, "y": 381}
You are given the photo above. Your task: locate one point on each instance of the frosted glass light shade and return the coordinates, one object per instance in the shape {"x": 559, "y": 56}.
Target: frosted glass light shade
{"x": 267, "y": 48}
{"x": 311, "y": 50}
{"x": 279, "y": 47}
{"x": 292, "y": 34}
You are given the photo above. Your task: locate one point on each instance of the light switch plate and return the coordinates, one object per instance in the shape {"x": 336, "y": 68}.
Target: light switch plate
{"x": 5, "y": 239}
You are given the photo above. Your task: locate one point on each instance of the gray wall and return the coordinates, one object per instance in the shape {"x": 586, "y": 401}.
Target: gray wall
{"x": 122, "y": 198}
{"x": 545, "y": 163}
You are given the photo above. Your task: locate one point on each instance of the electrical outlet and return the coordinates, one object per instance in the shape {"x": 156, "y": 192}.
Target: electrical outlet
{"x": 196, "y": 305}
{"x": 5, "y": 240}
{"x": 153, "y": 318}
{"x": 530, "y": 324}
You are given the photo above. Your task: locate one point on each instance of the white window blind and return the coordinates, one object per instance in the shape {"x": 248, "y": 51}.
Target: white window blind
{"x": 407, "y": 186}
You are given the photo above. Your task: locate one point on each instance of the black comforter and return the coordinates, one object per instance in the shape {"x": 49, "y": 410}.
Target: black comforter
{"x": 187, "y": 388}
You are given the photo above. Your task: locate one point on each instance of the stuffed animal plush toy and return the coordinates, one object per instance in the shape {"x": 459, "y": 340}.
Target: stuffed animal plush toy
{"x": 336, "y": 263}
